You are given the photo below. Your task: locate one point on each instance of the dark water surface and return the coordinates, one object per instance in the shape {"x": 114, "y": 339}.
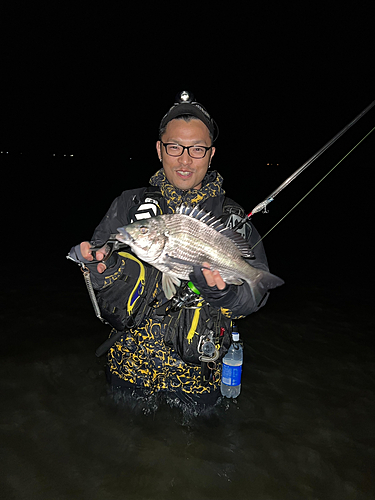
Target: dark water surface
{"x": 302, "y": 428}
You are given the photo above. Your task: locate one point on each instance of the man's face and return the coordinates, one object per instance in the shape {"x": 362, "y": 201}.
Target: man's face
{"x": 183, "y": 171}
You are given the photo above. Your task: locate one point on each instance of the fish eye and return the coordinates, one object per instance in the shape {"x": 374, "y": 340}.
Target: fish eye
{"x": 143, "y": 229}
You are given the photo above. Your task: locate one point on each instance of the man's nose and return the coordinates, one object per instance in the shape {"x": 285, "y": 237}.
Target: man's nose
{"x": 185, "y": 159}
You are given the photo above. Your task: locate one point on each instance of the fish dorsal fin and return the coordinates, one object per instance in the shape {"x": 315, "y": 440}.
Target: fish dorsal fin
{"x": 215, "y": 223}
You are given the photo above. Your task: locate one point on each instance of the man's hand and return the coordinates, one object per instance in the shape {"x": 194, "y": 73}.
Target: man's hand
{"x": 85, "y": 248}
{"x": 213, "y": 277}
{"x": 212, "y": 286}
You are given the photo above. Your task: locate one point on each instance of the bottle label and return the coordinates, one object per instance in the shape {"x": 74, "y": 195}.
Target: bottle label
{"x": 231, "y": 375}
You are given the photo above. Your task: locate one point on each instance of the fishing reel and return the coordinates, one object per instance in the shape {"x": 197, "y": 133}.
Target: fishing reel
{"x": 187, "y": 296}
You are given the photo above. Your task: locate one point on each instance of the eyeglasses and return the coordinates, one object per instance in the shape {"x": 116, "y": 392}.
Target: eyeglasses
{"x": 197, "y": 152}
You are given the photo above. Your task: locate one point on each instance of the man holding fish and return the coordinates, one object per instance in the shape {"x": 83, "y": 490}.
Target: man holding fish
{"x": 171, "y": 297}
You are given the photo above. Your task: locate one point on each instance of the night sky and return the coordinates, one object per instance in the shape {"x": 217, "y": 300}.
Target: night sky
{"x": 94, "y": 82}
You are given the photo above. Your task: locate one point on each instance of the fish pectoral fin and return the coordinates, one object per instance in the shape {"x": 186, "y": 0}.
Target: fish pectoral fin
{"x": 233, "y": 281}
{"x": 168, "y": 283}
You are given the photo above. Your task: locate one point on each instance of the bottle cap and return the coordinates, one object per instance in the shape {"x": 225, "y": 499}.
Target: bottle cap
{"x": 235, "y": 336}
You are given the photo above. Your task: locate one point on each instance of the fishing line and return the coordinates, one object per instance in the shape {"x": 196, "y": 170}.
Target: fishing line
{"x": 317, "y": 184}
{"x": 287, "y": 181}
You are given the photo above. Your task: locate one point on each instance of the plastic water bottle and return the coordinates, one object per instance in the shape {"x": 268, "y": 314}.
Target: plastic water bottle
{"x": 232, "y": 368}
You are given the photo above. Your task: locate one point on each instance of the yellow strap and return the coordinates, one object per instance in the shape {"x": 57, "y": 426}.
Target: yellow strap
{"x": 141, "y": 279}
{"x": 194, "y": 323}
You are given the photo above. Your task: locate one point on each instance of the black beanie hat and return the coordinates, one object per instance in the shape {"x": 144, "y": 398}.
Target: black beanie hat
{"x": 185, "y": 105}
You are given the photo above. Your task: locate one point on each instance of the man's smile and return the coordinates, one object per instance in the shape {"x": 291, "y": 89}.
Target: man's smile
{"x": 184, "y": 173}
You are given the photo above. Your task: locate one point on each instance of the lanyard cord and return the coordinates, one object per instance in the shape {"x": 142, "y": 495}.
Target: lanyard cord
{"x": 317, "y": 184}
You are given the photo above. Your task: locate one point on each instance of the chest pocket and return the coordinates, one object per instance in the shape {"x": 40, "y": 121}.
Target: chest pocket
{"x": 120, "y": 302}
{"x": 149, "y": 206}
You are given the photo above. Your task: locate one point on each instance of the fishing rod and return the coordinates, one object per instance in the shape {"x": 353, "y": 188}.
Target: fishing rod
{"x": 113, "y": 244}
{"x": 272, "y": 196}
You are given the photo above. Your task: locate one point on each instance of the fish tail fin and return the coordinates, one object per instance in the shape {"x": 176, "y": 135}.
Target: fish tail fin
{"x": 263, "y": 282}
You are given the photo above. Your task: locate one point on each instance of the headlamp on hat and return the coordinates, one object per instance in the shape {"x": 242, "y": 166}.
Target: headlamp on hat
{"x": 186, "y": 105}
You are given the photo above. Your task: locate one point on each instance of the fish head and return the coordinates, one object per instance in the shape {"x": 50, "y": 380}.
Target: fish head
{"x": 146, "y": 237}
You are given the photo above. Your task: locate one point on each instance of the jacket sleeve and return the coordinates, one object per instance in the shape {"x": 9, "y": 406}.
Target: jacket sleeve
{"x": 237, "y": 301}
{"x": 240, "y": 298}
{"x": 116, "y": 216}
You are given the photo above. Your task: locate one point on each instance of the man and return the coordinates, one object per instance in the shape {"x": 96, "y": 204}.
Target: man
{"x": 162, "y": 348}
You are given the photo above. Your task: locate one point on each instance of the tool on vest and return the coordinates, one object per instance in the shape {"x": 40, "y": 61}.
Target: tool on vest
{"x": 187, "y": 296}
{"x": 110, "y": 246}
{"x": 206, "y": 347}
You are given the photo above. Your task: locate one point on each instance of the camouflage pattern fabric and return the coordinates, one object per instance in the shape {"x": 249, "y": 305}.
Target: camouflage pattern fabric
{"x": 211, "y": 187}
{"x": 141, "y": 357}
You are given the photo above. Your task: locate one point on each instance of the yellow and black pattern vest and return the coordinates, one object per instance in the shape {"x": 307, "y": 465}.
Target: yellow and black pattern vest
{"x": 161, "y": 354}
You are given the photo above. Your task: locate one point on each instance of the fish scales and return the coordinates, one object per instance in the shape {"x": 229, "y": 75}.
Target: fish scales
{"x": 193, "y": 241}
{"x": 175, "y": 243}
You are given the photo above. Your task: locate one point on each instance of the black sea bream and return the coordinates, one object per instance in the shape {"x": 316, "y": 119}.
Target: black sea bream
{"x": 174, "y": 243}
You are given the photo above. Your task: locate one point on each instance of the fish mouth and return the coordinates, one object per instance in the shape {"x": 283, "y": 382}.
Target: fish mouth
{"x": 123, "y": 235}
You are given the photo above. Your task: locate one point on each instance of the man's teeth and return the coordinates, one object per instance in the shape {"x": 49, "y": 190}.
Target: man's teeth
{"x": 184, "y": 173}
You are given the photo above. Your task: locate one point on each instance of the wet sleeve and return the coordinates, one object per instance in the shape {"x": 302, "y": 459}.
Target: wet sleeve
{"x": 236, "y": 301}
{"x": 116, "y": 216}
{"x": 239, "y": 300}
